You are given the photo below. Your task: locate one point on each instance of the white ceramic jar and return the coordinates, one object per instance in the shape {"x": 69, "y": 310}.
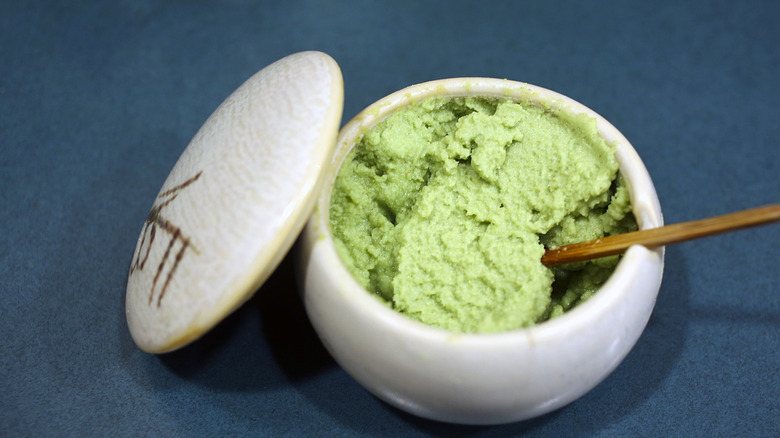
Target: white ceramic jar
{"x": 478, "y": 378}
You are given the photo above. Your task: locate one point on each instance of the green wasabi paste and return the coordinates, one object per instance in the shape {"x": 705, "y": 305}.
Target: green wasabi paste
{"x": 445, "y": 207}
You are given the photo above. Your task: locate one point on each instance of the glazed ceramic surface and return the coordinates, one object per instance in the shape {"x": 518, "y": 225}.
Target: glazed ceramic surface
{"x": 234, "y": 202}
{"x": 479, "y": 378}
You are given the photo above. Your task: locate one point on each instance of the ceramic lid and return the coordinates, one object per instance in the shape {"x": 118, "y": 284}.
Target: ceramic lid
{"x": 235, "y": 201}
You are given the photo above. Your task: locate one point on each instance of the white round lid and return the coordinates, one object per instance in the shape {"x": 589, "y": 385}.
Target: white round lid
{"x": 235, "y": 201}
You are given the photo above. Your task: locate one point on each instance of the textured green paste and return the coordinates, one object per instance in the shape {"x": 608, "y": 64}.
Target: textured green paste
{"x": 444, "y": 210}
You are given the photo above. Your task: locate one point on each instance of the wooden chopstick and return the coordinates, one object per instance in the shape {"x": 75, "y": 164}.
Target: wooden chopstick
{"x": 661, "y": 236}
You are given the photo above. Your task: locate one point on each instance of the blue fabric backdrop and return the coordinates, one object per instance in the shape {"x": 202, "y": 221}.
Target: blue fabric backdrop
{"x": 98, "y": 99}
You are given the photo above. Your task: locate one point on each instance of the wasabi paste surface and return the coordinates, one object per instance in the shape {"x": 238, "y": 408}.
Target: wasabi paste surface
{"x": 445, "y": 207}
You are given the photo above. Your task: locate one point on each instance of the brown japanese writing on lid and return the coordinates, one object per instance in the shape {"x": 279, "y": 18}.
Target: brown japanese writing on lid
{"x": 234, "y": 202}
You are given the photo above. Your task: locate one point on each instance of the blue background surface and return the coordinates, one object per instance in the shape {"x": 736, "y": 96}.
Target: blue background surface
{"x": 98, "y": 99}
